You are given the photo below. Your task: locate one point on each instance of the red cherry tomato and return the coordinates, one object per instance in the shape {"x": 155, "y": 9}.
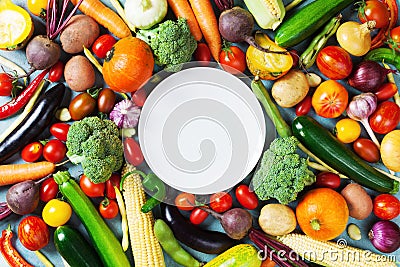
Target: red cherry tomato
{"x": 386, "y": 91}
{"x": 103, "y": 44}
{"x": 60, "y": 130}
{"x": 54, "y": 151}
{"x": 32, "y": 152}
{"x": 133, "y": 153}
{"x": 56, "y": 72}
{"x": 197, "y": 216}
{"x": 108, "y": 208}
{"x": 374, "y": 10}
{"x": 394, "y": 43}
{"x": 385, "y": 118}
{"x": 221, "y": 202}
{"x": 81, "y": 106}
{"x": 185, "y": 201}
{"x": 367, "y": 150}
{"x": 91, "y": 189}
{"x": 202, "y": 53}
{"x": 106, "y": 100}
{"x": 6, "y": 84}
{"x": 248, "y": 199}
{"x": 304, "y": 106}
{"x": 139, "y": 97}
{"x": 48, "y": 190}
{"x": 386, "y": 206}
{"x": 114, "y": 180}
{"x": 233, "y": 60}
{"x": 334, "y": 62}
{"x": 33, "y": 233}
{"x": 327, "y": 179}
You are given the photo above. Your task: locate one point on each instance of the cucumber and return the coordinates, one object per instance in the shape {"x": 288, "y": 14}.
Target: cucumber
{"x": 329, "y": 149}
{"x": 307, "y": 21}
{"x": 74, "y": 248}
{"x": 243, "y": 255}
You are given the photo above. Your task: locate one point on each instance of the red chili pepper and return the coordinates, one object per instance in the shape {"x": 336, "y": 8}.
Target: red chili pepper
{"x": 16, "y": 104}
{"x": 10, "y": 254}
{"x": 380, "y": 37}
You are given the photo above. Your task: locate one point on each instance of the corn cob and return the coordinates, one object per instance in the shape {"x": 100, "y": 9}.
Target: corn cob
{"x": 267, "y": 13}
{"x": 146, "y": 250}
{"x": 334, "y": 254}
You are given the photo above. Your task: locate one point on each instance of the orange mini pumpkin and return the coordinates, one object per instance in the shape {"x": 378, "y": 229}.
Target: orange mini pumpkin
{"x": 128, "y": 65}
{"x": 322, "y": 214}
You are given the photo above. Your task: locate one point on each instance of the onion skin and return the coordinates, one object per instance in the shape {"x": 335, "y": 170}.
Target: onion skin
{"x": 390, "y": 150}
{"x": 354, "y": 37}
{"x": 385, "y": 236}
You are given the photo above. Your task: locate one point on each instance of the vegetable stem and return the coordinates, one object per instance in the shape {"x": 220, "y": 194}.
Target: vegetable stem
{"x": 12, "y": 66}
{"x": 370, "y": 132}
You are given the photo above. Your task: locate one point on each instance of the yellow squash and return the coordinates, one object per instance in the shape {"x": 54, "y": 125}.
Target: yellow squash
{"x": 268, "y": 66}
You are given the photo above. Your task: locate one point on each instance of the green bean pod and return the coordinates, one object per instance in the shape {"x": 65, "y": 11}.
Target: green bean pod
{"x": 386, "y": 55}
{"x": 172, "y": 247}
{"x": 308, "y": 57}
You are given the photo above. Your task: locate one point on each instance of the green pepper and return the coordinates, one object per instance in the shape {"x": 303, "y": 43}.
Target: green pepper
{"x": 386, "y": 55}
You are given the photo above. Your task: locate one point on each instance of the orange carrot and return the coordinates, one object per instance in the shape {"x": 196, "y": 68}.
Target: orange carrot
{"x": 104, "y": 16}
{"x": 15, "y": 173}
{"x": 182, "y": 9}
{"x": 208, "y": 23}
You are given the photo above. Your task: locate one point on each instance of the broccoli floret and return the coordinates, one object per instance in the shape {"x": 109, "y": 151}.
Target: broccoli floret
{"x": 95, "y": 143}
{"x": 282, "y": 173}
{"x": 172, "y": 43}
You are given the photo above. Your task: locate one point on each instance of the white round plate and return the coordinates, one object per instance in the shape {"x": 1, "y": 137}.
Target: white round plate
{"x": 201, "y": 130}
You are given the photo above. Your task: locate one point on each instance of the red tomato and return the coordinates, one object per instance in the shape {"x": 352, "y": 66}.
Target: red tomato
{"x": 56, "y": 72}
{"x": 185, "y": 201}
{"x": 32, "y": 152}
{"x": 33, "y": 233}
{"x": 139, "y": 97}
{"x": 334, "y": 62}
{"x": 54, "y": 151}
{"x": 367, "y": 150}
{"x": 248, "y": 199}
{"x": 221, "y": 202}
{"x": 304, "y": 106}
{"x": 108, "y": 208}
{"x": 91, "y": 189}
{"x": 133, "y": 153}
{"x": 233, "y": 60}
{"x": 202, "y": 53}
{"x": 330, "y": 99}
{"x": 6, "y": 84}
{"x": 197, "y": 216}
{"x": 81, "y": 106}
{"x": 386, "y": 91}
{"x": 103, "y": 44}
{"x": 114, "y": 180}
{"x": 386, "y": 206}
{"x": 394, "y": 40}
{"x": 385, "y": 118}
{"x": 48, "y": 190}
{"x": 374, "y": 10}
{"x": 327, "y": 179}
{"x": 60, "y": 130}
{"x": 106, "y": 100}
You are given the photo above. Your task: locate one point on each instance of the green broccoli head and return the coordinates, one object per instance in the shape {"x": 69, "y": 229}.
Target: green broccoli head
{"x": 172, "y": 43}
{"x": 282, "y": 173}
{"x": 78, "y": 133}
{"x": 96, "y": 169}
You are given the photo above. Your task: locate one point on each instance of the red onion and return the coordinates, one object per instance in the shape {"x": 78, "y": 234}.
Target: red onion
{"x": 368, "y": 75}
{"x": 385, "y": 236}
{"x": 224, "y": 4}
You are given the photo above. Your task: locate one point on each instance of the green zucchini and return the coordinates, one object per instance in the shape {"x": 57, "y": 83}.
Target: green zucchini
{"x": 74, "y": 248}
{"x": 334, "y": 153}
{"x": 104, "y": 240}
{"x": 306, "y": 21}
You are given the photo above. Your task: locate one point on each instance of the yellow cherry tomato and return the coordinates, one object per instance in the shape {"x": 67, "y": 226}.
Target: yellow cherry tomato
{"x": 37, "y": 7}
{"x": 347, "y": 130}
{"x": 56, "y": 212}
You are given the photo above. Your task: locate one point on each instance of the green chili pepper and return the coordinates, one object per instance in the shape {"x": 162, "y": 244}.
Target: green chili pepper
{"x": 172, "y": 247}
{"x": 308, "y": 57}
{"x": 386, "y": 55}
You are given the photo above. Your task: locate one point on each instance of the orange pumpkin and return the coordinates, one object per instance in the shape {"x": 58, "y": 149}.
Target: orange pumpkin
{"x": 322, "y": 214}
{"x": 128, "y": 65}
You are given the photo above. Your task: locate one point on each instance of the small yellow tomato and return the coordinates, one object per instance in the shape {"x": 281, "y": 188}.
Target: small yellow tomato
{"x": 37, "y": 7}
{"x": 347, "y": 130}
{"x": 56, "y": 212}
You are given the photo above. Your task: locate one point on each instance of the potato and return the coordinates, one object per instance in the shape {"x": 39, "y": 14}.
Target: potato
{"x": 277, "y": 219}
{"x": 359, "y": 202}
{"x": 80, "y": 31}
{"x": 79, "y": 73}
{"x": 290, "y": 89}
